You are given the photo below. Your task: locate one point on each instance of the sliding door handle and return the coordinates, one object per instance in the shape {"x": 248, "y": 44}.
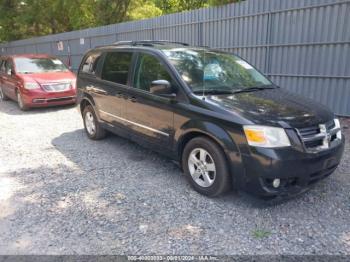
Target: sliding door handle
{"x": 96, "y": 90}
{"x": 133, "y": 99}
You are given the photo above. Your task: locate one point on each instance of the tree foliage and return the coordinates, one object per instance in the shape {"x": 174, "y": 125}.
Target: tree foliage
{"x": 29, "y": 18}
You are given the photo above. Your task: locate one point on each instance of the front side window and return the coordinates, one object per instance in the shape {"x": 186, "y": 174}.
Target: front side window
{"x": 3, "y": 66}
{"x": 206, "y": 70}
{"x": 149, "y": 69}
{"x": 116, "y": 67}
{"x": 39, "y": 65}
{"x": 90, "y": 63}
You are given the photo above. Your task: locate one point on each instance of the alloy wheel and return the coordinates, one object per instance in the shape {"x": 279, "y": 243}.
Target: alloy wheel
{"x": 202, "y": 167}
{"x": 90, "y": 123}
{"x": 1, "y": 94}
{"x": 19, "y": 98}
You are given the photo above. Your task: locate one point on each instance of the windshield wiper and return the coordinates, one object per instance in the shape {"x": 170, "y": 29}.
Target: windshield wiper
{"x": 252, "y": 89}
{"x": 213, "y": 92}
{"x": 233, "y": 91}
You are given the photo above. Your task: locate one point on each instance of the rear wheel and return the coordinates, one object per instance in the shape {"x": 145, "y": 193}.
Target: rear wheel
{"x": 93, "y": 128}
{"x": 20, "y": 102}
{"x": 206, "y": 167}
{"x": 3, "y": 97}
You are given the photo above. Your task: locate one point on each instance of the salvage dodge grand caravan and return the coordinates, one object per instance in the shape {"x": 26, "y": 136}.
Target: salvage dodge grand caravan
{"x": 225, "y": 122}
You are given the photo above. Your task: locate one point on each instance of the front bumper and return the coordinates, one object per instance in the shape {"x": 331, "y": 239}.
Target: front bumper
{"x": 296, "y": 170}
{"x": 39, "y": 98}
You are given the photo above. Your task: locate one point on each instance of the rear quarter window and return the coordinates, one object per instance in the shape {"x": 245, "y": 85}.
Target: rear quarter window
{"x": 90, "y": 63}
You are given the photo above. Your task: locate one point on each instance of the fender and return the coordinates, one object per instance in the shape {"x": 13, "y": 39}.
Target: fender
{"x": 220, "y": 136}
{"x": 88, "y": 98}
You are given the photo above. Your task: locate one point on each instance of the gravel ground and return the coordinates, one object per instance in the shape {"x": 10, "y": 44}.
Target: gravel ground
{"x": 61, "y": 193}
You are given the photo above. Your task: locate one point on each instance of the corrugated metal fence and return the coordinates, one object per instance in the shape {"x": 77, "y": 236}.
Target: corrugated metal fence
{"x": 302, "y": 45}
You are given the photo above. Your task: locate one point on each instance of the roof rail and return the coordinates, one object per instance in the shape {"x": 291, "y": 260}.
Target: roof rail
{"x": 148, "y": 42}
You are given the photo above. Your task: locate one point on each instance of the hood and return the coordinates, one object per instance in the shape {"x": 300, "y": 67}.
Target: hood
{"x": 54, "y": 77}
{"x": 274, "y": 107}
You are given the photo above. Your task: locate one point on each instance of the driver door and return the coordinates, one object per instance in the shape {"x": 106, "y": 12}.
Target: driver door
{"x": 150, "y": 117}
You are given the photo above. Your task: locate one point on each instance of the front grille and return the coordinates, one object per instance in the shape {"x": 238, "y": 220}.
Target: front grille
{"x": 56, "y": 87}
{"x": 330, "y": 125}
{"x": 309, "y": 131}
{"x": 317, "y": 138}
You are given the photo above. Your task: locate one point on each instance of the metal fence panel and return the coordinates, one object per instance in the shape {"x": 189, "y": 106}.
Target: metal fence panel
{"x": 302, "y": 45}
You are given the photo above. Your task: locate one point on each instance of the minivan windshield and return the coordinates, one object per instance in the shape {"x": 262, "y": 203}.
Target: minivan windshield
{"x": 214, "y": 71}
{"x": 39, "y": 65}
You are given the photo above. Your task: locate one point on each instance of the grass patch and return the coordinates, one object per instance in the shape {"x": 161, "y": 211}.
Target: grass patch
{"x": 261, "y": 233}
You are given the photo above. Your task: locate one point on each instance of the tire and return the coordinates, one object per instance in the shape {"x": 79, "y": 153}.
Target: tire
{"x": 3, "y": 97}
{"x": 207, "y": 179}
{"x": 20, "y": 102}
{"x": 92, "y": 127}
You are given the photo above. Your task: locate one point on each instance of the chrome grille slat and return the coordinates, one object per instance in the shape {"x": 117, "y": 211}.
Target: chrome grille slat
{"x": 315, "y": 138}
{"x": 56, "y": 87}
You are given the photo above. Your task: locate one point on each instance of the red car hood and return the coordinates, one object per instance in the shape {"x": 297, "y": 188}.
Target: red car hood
{"x": 55, "y": 77}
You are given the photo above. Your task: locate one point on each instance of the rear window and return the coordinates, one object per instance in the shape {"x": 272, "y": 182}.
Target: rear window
{"x": 39, "y": 65}
{"x": 116, "y": 67}
{"x": 90, "y": 64}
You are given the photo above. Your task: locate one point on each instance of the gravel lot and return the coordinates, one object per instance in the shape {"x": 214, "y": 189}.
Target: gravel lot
{"x": 61, "y": 193}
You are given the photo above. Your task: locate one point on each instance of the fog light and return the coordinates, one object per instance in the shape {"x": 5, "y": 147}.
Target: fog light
{"x": 276, "y": 183}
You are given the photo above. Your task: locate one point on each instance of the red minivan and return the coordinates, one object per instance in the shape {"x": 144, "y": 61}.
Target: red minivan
{"x": 36, "y": 80}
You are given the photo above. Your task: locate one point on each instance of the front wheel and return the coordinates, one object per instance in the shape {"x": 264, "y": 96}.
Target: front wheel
{"x": 3, "y": 97}
{"x": 93, "y": 128}
{"x": 20, "y": 102}
{"x": 206, "y": 167}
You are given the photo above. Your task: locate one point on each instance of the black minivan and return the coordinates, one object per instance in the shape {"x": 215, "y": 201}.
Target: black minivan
{"x": 220, "y": 118}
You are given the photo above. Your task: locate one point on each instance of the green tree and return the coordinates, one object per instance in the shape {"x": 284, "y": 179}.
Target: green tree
{"x": 110, "y": 11}
{"x": 29, "y": 18}
{"x": 140, "y": 9}
{"x": 10, "y": 28}
{"x": 222, "y": 2}
{"x": 172, "y": 6}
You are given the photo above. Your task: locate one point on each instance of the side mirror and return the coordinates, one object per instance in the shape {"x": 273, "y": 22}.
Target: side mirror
{"x": 162, "y": 88}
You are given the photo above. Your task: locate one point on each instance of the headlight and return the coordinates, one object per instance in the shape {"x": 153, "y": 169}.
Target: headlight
{"x": 73, "y": 84}
{"x": 31, "y": 85}
{"x": 265, "y": 136}
{"x": 337, "y": 125}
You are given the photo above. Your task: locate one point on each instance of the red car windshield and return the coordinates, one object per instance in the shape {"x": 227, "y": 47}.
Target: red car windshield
{"x": 39, "y": 65}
